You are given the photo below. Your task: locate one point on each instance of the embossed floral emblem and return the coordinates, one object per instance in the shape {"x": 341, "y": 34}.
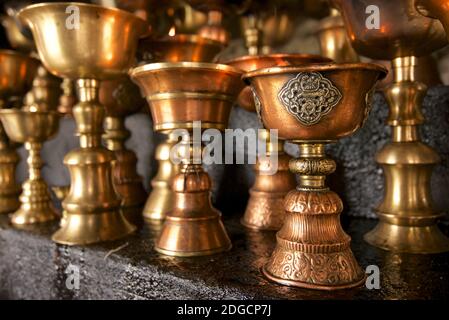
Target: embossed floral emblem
{"x": 309, "y": 96}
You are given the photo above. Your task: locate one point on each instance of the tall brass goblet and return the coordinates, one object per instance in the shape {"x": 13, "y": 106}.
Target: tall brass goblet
{"x": 180, "y": 47}
{"x": 121, "y": 98}
{"x": 178, "y": 94}
{"x": 32, "y": 128}
{"x": 16, "y": 75}
{"x": 101, "y": 47}
{"x": 311, "y": 106}
{"x": 264, "y": 210}
{"x": 407, "y": 215}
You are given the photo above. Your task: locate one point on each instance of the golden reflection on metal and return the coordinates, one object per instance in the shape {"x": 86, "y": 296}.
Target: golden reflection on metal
{"x": 333, "y": 39}
{"x": 67, "y": 99}
{"x": 16, "y": 75}
{"x": 193, "y": 227}
{"x": 264, "y": 210}
{"x": 121, "y": 98}
{"x": 407, "y": 215}
{"x": 312, "y": 249}
{"x": 45, "y": 92}
{"x": 88, "y": 54}
{"x": 177, "y": 48}
{"x": 15, "y": 36}
{"x": 32, "y": 129}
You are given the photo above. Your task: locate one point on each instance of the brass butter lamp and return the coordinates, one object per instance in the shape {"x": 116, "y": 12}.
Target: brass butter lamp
{"x": 32, "y": 128}
{"x": 178, "y": 94}
{"x": 265, "y": 210}
{"x": 121, "y": 98}
{"x": 175, "y": 48}
{"x": 101, "y": 47}
{"x": 16, "y": 75}
{"x": 313, "y": 105}
{"x": 407, "y": 217}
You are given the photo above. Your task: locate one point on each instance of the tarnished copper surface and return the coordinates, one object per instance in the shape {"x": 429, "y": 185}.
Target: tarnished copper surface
{"x": 32, "y": 129}
{"x": 185, "y": 92}
{"x": 312, "y": 249}
{"x": 102, "y": 47}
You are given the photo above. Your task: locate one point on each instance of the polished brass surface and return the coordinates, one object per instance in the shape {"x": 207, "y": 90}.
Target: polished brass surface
{"x": 45, "y": 92}
{"x": 32, "y": 129}
{"x": 250, "y": 63}
{"x": 67, "y": 100}
{"x": 175, "y": 48}
{"x": 15, "y": 37}
{"x": 265, "y": 210}
{"x": 181, "y": 47}
{"x": 105, "y": 31}
{"x": 437, "y": 9}
{"x": 407, "y": 215}
{"x": 333, "y": 39}
{"x": 161, "y": 199}
{"x": 312, "y": 249}
{"x": 16, "y": 75}
{"x": 204, "y": 92}
{"x": 121, "y": 98}
{"x": 102, "y": 47}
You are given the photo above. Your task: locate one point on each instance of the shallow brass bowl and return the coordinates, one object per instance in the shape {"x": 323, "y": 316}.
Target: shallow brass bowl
{"x": 403, "y": 30}
{"x": 103, "y": 46}
{"x": 251, "y": 63}
{"x": 17, "y": 72}
{"x": 354, "y": 81}
{"x": 26, "y": 126}
{"x": 181, "y": 47}
{"x": 182, "y": 92}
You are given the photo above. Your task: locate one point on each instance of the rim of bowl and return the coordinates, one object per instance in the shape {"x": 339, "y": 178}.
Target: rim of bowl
{"x": 279, "y": 55}
{"x": 20, "y": 111}
{"x": 30, "y": 7}
{"x": 189, "y": 38}
{"x": 157, "y": 66}
{"x": 316, "y": 67}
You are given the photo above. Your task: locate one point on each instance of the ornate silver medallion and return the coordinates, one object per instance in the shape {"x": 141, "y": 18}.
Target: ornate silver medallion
{"x": 309, "y": 96}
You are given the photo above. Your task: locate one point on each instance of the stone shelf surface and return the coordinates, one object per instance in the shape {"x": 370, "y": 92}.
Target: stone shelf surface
{"x": 33, "y": 267}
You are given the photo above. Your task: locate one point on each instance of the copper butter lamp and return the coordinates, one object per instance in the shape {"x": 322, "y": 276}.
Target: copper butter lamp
{"x": 178, "y": 94}
{"x": 16, "y": 75}
{"x": 311, "y": 106}
{"x": 265, "y": 210}
{"x": 101, "y": 47}
{"x": 174, "y": 48}
{"x": 407, "y": 217}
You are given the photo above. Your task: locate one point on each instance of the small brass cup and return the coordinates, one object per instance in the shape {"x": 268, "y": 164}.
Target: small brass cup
{"x": 32, "y": 129}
